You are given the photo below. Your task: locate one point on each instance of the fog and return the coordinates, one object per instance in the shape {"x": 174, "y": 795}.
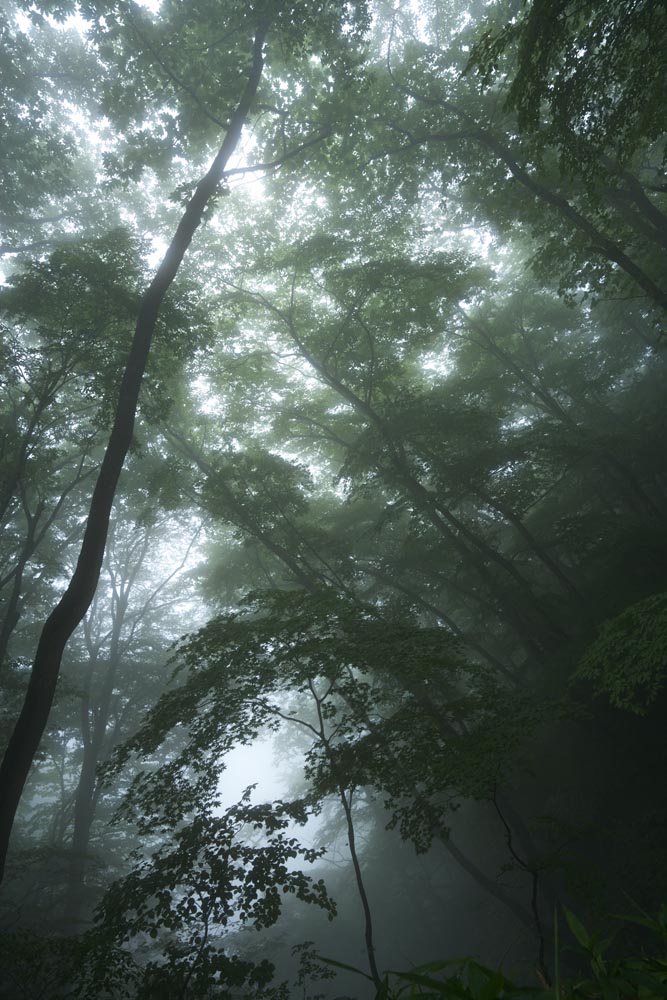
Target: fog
{"x": 334, "y": 500}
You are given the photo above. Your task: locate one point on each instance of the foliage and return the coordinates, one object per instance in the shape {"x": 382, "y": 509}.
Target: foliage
{"x": 80, "y": 305}
{"x": 627, "y": 661}
{"x": 311, "y": 970}
{"x": 34, "y": 965}
{"x": 223, "y": 870}
{"x": 613, "y": 978}
{"x": 402, "y": 711}
{"x": 405, "y": 420}
{"x": 596, "y": 65}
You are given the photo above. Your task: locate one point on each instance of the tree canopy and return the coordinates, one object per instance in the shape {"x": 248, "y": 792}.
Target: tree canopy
{"x": 334, "y": 497}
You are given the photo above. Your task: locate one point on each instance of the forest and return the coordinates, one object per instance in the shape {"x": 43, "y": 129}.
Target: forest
{"x": 333, "y": 487}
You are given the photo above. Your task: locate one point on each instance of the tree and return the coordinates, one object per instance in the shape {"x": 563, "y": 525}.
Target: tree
{"x": 211, "y": 879}
{"x": 410, "y": 387}
{"x": 76, "y": 600}
{"x": 391, "y": 707}
{"x": 111, "y": 702}
{"x": 47, "y": 184}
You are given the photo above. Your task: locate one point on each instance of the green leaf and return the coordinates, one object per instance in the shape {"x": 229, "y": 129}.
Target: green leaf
{"x": 578, "y": 929}
{"x": 446, "y": 988}
{"x": 344, "y": 966}
{"x": 383, "y": 991}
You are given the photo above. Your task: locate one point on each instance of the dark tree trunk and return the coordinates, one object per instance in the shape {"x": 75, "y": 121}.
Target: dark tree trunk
{"x": 77, "y": 598}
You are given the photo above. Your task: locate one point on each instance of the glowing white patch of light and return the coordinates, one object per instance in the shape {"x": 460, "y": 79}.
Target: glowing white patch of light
{"x": 250, "y": 765}
{"x": 157, "y": 252}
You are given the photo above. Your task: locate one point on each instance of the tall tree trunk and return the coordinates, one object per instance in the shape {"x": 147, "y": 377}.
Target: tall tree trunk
{"x": 78, "y": 596}
{"x": 11, "y": 480}
{"x": 633, "y": 488}
{"x": 346, "y": 802}
{"x": 485, "y": 882}
{"x": 84, "y": 813}
{"x": 539, "y": 550}
{"x": 345, "y": 793}
{"x": 636, "y": 191}
{"x": 599, "y": 241}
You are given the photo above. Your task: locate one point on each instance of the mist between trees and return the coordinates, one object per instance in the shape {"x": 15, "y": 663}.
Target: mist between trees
{"x": 333, "y": 490}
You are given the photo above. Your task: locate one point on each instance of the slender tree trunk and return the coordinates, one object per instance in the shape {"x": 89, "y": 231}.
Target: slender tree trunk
{"x": 598, "y": 240}
{"x": 84, "y": 813}
{"x": 536, "y": 547}
{"x": 444, "y": 835}
{"x": 33, "y": 538}
{"x": 633, "y": 487}
{"x": 636, "y": 192}
{"x": 345, "y": 797}
{"x": 13, "y": 478}
{"x": 77, "y": 598}
{"x": 86, "y": 799}
{"x": 492, "y": 555}
{"x": 361, "y": 888}
{"x": 101, "y": 732}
